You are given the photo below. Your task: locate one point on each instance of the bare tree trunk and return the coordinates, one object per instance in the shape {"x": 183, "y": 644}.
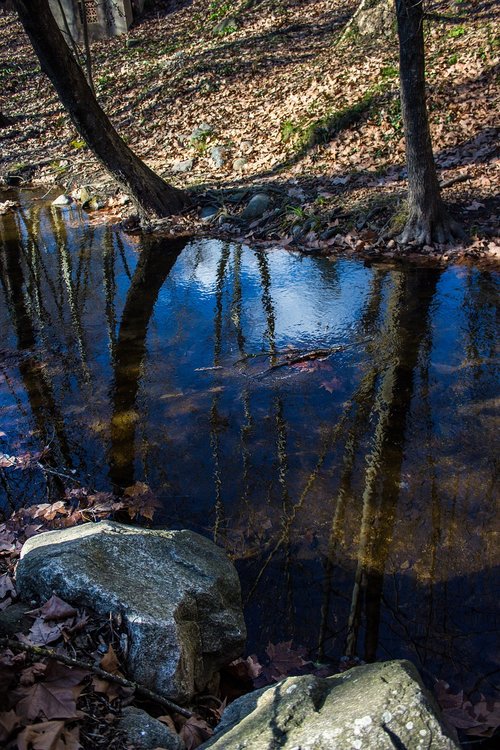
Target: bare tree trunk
{"x": 428, "y": 219}
{"x": 154, "y": 197}
{"x": 86, "y": 43}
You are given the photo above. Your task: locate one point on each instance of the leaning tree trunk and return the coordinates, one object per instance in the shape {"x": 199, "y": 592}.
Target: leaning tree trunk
{"x": 428, "y": 219}
{"x": 154, "y": 197}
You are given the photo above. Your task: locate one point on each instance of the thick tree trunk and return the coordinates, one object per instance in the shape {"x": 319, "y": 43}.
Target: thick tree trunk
{"x": 428, "y": 219}
{"x": 154, "y": 197}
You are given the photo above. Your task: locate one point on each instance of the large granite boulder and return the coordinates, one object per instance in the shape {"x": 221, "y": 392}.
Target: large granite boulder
{"x": 374, "y": 707}
{"x": 177, "y": 591}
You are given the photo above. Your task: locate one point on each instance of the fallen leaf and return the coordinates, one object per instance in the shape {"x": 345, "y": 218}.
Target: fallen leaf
{"x": 6, "y": 585}
{"x": 139, "y": 500}
{"x": 109, "y": 661}
{"x": 195, "y": 731}
{"x": 41, "y": 633}
{"x": 331, "y": 385}
{"x": 54, "y": 609}
{"x": 53, "y": 698}
{"x": 9, "y": 721}
{"x": 284, "y": 659}
{"x": 168, "y": 721}
{"x": 48, "y": 735}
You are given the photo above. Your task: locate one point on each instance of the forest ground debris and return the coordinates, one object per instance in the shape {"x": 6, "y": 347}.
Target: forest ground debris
{"x": 264, "y": 87}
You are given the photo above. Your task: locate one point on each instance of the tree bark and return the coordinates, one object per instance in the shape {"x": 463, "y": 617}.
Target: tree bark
{"x": 154, "y": 197}
{"x": 428, "y": 219}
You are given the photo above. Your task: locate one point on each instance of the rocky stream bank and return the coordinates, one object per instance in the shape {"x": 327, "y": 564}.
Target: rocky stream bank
{"x": 175, "y": 599}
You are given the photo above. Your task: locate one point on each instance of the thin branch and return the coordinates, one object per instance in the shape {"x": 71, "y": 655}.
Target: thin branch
{"x": 69, "y": 662}
{"x": 453, "y": 180}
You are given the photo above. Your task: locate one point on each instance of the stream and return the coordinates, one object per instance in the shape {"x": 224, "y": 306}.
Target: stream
{"x": 355, "y": 491}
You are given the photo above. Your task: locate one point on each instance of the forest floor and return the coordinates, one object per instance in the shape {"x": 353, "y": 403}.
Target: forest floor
{"x": 281, "y": 102}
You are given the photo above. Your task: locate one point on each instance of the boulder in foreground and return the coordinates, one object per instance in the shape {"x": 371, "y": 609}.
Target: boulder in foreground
{"x": 375, "y": 707}
{"x": 177, "y": 591}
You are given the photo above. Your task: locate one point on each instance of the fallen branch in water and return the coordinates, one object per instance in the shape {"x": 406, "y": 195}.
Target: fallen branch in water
{"x": 297, "y": 356}
{"x": 301, "y": 355}
{"x": 69, "y": 662}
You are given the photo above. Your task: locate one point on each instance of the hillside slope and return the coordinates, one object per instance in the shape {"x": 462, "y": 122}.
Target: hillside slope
{"x": 287, "y": 100}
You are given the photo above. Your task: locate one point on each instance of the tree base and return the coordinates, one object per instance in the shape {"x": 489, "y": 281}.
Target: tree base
{"x": 421, "y": 229}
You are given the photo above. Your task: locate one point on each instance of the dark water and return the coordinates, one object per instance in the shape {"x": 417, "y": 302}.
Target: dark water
{"x": 356, "y": 494}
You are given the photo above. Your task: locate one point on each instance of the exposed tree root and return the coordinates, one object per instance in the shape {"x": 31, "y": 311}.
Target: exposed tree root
{"x": 424, "y": 229}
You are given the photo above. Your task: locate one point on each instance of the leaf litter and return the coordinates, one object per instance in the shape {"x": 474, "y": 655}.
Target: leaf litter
{"x": 296, "y": 111}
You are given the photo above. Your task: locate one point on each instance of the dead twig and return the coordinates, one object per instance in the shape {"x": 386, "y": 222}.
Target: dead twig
{"x": 48, "y": 653}
{"x": 454, "y": 180}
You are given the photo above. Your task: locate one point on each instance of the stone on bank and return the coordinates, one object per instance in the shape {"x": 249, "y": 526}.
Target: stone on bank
{"x": 178, "y": 594}
{"x": 381, "y": 706}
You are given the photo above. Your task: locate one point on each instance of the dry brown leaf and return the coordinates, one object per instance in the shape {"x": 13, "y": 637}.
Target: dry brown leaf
{"x": 48, "y": 735}
{"x": 168, "y": 721}
{"x": 54, "y": 697}
{"x": 195, "y": 731}
{"x": 9, "y": 721}
{"x": 54, "y": 609}
{"x": 41, "y": 632}
{"x": 109, "y": 661}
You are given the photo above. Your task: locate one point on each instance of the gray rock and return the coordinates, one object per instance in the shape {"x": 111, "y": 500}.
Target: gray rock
{"x": 239, "y": 164}
{"x": 183, "y": 166}
{"x": 201, "y": 132}
{"x": 177, "y": 592}
{"x": 374, "y": 707}
{"x": 217, "y": 155}
{"x": 146, "y": 733}
{"x": 327, "y": 234}
{"x": 226, "y": 26}
{"x": 256, "y": 206}
{"x": 208, "y": 213}
{"x": 61, "y": 200}
{"x": 13, "y": 619}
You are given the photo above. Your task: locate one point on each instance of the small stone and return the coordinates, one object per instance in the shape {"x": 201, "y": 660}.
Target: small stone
{"x": 82, "y": 195}
{"x": 256, "y": 206}
{"x": 239, "y": 164}
{"x": 146, "y": 733}
{"x": 61, "y": 200}
{"x": 217, "y": 156}
{"x": 13, "y": 619}
{"x": 328, "y": 233}
{"x": 226, "y": 26}
{"x": 246, "y": 145}
{"x": 202, "y": 131}
{"x": 208, "y": 213}
{"x": 391, "y": 244}
{"x": 184, "y": 165}
{"x": 96, "y": 203}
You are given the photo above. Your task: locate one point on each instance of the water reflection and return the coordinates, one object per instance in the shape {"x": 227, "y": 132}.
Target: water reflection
{"x": 355, "y": 493}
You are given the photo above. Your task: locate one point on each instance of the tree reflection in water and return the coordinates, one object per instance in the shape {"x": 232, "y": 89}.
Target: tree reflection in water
{"x": 355, "y": 494}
